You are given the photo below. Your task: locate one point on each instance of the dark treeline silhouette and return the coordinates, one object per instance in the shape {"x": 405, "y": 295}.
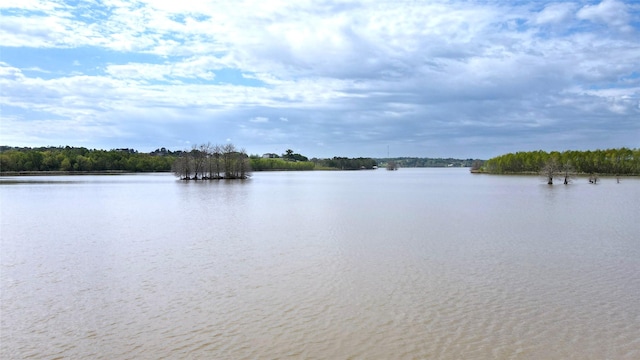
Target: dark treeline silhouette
{"x": 80, "y": 159}
{"x": 621, "y": 161}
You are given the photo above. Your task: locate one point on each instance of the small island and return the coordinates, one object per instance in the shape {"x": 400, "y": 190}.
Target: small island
{"x": 207, "y": 162}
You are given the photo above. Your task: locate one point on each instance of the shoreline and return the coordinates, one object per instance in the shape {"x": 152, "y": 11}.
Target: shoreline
{"x": 63, "y": 173}
{"x": 530, "y": 173}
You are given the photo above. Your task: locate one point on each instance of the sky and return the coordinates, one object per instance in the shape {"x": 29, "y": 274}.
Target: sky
{"x": 463, "y": 79}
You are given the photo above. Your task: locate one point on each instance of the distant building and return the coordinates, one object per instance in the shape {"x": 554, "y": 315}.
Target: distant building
{"x": 270, "y": 156}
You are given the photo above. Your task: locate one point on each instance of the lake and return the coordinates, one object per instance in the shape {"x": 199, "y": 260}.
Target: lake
{"x": 407, "y": 264}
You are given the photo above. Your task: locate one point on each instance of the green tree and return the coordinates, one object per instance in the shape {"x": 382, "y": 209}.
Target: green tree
{"x": 66, "y": 165}
{"x": 288, "y": 155}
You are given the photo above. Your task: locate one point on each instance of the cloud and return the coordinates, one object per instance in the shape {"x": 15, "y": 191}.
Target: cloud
{"x": 192, "y": 68}
{"x": 612, "y": 13}
{"x": 445, "y": 78}
{"x": 555, "y": 13}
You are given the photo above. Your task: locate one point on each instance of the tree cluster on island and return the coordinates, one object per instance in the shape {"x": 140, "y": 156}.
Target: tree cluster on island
{"x": 212, "y": 162}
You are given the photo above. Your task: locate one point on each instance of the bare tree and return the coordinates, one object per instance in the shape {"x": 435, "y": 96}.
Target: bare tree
{"x": 198, "y": 158}
{"x": 205, "y": 150}
{"x": 211, "y": 163}
{"x": 227, "y": 159}
{"x": 550, "y": 169}
{"x": 244, "y": 165}
{"x": 181, "y": 167}
{"x": 215, "y": 162}
{"x": 568, "y": 172}
{"x": 476, "y": 165}
{"x": 237, "y": 165}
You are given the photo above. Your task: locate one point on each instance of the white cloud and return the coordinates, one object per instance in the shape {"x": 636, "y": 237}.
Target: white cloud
{"x": 350, "y": 74}
{"x": 556, "y": 13}
{"x": 30, "y": 5}
{"x": 193, "y": 68}
{"x": 609, "y": 12}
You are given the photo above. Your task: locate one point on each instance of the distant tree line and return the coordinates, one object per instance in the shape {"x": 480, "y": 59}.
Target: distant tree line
{"x": 271, "y": 164}
{"x": 406, "y": 162}
{"x": 80, "y": 159}
{"x": 344, "y": 163}
{"x": 293, "y": 161}
{"x": 201, "y": 161}
{"x": 287, "y": 161}
{"x": 621, "y": 161}
{"x": 212, "y": 162}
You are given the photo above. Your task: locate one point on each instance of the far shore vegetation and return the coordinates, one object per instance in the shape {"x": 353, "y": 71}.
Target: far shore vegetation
{"x": 206, "y": 159}
{"x": 563, "y": 166}
{"x": 228, "y": 162}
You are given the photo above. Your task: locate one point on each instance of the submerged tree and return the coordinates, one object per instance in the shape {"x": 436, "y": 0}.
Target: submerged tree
{"x": 198, "y": 156}
{"x": 181, "y": 167}
{"x": 550, "y": 169}
{"x": 476, "y": 165}
{"x": 214, "y": 165}
{"x": 568, "y": 172}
